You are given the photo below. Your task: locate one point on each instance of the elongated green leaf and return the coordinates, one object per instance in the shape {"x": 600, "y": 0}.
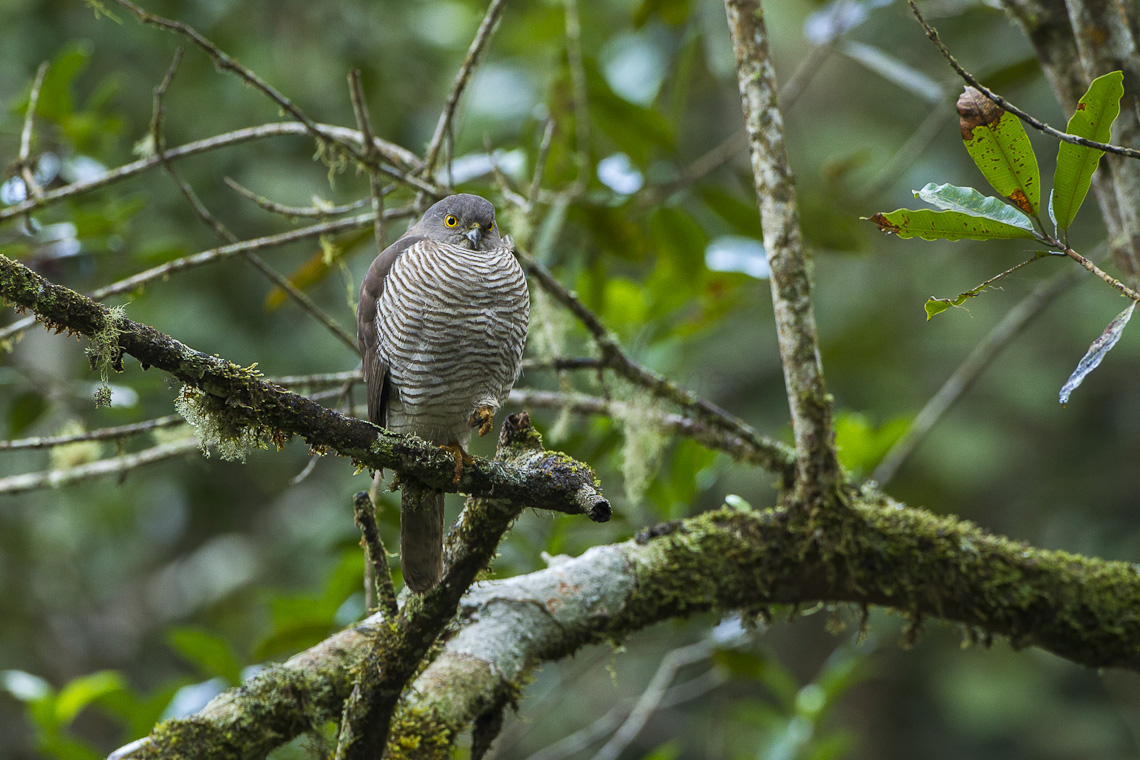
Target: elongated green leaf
{"x": 84, "y": 690}
{"x": 999, "y": 146}
{"x": 970, "y": 201}
{"x": 1075, "y": 163}
{"x": 1097, "y": 351}
{"x": 946, "y": 225}
{"x": 936, "y": 306}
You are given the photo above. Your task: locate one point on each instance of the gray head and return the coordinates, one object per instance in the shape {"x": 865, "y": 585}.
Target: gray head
{"x": 464, "y": 220}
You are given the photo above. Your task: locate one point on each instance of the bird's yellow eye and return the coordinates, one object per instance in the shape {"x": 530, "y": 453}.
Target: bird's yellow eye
{"x": 490, "y": 227}
{"x": 450, "y": 220}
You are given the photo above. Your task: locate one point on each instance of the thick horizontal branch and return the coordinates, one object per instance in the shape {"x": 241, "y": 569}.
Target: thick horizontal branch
{"x": 1085, "y": 610}
{"x": 241, "y": 406}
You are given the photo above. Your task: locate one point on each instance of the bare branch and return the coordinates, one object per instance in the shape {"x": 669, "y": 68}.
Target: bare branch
{"x": 617, "y": 360}
{"x": 470, "y": 61}
{"x": 580, "y": 95}
{"x": 26, "y": 172}
{"x": 700, "y": 431}
{"x": 391, "y": 152}
{"x": 970, "y": 79}
{"x": 969, "y": 370}
{"x": 817, "y": 468}
{"x": 300, "y": 297}
{"x": 364, "y": 124}
{"x": 162, "y": 271}
{"x": 102, "y": 434}
{"x": 376, "y": 556}
{"x": 32, "y": 481}
{"x": 314, "y": 212}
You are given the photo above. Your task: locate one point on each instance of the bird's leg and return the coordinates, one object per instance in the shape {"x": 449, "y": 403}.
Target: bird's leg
{"x": 461, "y": 457}
{"x": 483, "y": 418}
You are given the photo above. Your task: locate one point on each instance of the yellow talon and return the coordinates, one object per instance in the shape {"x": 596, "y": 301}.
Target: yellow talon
{"x": 461, "y": 457}
{"x": 484, "y": 419}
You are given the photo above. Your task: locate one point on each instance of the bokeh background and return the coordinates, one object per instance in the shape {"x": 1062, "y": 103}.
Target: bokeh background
{"x": 128, "y": 599}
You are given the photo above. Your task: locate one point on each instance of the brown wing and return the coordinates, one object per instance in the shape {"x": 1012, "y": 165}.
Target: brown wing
{"x": 375, "y": 365}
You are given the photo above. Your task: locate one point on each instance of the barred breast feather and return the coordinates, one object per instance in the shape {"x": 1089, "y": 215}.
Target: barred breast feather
{"x": 451, "y": 323}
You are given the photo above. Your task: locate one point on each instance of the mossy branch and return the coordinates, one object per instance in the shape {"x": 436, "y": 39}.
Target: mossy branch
{"x": 241, "y": 400}
{"x": 926, "y": 566}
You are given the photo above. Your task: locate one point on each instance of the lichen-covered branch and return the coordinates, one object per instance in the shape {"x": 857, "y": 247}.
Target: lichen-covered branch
{"x": 926, "y": 566}
{"x": 817, "y": 467}
{"x": 396, "y": 653}
{"x": 240, "y": 407}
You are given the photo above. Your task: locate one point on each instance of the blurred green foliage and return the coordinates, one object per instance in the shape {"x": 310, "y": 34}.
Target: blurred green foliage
{"x": 129, "y": 599}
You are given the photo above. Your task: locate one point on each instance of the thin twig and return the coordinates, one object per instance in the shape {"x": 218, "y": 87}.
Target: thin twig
{"x": 226, "y": 63}
{"x": 1126, "y": 291}
{"x": 317, "y": 381}
{"x": 274, "y": 129}
{"x": 653, "y": 695}
{"x": 708, "y": 435}
{"x": 502, "y": 181}
{"x": 102, "y": 434}
{"x": 559, "y": 363}
{"x": 163, "y": 271}
{"x": 579, "y": 95}
{"x": 775, "y": 458}
{"x": 970, "y": 79}
{"x": 377, "y": 557}
{"x": 32, "y": 481}
{"x": 293, "y": 212}
{"x": 223, "y": 61}
{"x": 364, "y": 124}
{"x": 539, "y": 167}
{"x": 578, "y": 741}
{"x": 307, "y": 304}
{"x": 26, "y": 172}
{"x": 968, "y": 371}
{"x": 470, "y": 61}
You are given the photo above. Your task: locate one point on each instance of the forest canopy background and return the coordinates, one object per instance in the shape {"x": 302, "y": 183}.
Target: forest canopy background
{"x": 189, "y": 571}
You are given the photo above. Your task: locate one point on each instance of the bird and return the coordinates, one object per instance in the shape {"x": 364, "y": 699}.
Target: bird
{"x": 441, "y": 325}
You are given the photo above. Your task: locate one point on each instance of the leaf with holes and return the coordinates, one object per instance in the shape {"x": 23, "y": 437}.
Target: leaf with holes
{"x": 946, "y": 225}
{"x": 997, "y": 142}
{"x": 1093, "y": 119}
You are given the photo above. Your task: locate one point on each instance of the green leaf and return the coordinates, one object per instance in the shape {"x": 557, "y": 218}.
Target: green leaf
{"x": 862, "y": 445}
{"x": 970, "y": 201}
{"x": 1093, "y": 119}
{"x": 946, "y": 225}
{"x": 1097, "y": 351}
{"x": 938, "y": 305}
{"x": 741, "y": 214}
{"x": 211, "y": 653}
{"x": 997, "y": 142}
{"x": 84, "y": 690}
{"x": 26, "y": 408}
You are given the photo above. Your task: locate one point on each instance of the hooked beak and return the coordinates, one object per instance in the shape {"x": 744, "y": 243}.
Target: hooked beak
{"x": 474, "y": 234}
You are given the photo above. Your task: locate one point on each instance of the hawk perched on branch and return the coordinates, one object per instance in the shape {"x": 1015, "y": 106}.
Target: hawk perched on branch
{"x": 441, "y": 323}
